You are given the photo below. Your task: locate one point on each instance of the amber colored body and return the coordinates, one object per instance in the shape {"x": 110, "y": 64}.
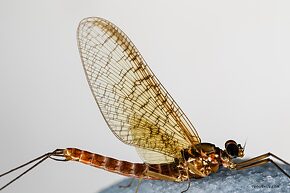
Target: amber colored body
{"x": 140, "y": 112}
{"x": 197, "y": 162}
{"x": 125, "y": 168}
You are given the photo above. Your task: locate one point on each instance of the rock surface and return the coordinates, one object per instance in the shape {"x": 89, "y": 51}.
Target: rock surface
{"x": 265, "y": 178}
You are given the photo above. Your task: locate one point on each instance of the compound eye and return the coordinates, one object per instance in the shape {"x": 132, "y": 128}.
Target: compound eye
{"x": 232, "y": 148}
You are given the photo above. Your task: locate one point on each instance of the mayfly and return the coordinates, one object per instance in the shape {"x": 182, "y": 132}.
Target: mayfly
{"x": 141, "y": 113}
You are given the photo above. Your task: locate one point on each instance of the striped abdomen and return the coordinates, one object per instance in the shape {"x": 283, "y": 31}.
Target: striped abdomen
{"x": 136, "y": 170}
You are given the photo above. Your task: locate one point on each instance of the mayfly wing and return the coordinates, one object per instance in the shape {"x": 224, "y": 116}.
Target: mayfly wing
{"x": 135, "y": 105}
{"x": 153, "y": 157}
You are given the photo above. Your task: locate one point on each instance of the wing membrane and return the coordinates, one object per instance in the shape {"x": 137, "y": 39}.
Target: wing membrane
{"x": 153, "y": 157}
{"x": 135, "y": 105}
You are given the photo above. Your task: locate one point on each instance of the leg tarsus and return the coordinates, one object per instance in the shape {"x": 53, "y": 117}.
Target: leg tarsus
{"x": 261, "y": 157}
{"x": 277, "y": 166}
{"x": 188, "y": 186}
{"x": 273, "y": 155}
{"x": 260, "y": 160}
{"x": 138, "y": 185}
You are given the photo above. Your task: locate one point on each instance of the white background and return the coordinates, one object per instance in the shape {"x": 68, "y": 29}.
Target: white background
{"x": 226, "y": 63}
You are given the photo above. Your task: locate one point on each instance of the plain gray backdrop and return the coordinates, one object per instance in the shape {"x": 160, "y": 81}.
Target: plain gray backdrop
{"x": 226, "y": 63}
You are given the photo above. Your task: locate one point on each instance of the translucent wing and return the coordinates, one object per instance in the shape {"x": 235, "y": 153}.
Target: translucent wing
{"x": 153, "y": 157}
{"x": 133, "y": 102}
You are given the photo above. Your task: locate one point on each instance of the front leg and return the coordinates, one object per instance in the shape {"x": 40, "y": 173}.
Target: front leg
{"x": 261, "y": 160}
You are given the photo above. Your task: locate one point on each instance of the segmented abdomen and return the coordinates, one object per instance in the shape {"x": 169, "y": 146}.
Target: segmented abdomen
{"x": 113, "y": 165}
{"x": 136, "y": 170}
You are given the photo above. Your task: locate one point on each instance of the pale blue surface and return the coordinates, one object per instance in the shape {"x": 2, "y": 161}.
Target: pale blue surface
{"x": 260, "y": 179}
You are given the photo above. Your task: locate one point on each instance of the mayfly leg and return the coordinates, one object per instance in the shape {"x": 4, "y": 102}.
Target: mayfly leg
{"x": 261, "y": 160}
{"x": 57, "y": 153}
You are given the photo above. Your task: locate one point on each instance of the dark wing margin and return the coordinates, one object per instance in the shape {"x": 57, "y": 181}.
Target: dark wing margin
{"x": 135, "y": 105}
